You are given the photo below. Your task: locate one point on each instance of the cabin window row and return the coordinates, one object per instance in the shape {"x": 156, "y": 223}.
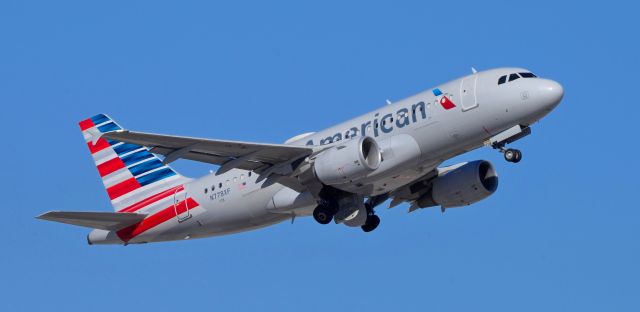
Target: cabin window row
{"x": 220, "y": 184}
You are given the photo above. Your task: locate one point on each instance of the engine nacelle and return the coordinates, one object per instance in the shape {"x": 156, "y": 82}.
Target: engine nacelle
{"x": 349, "y": 161}
{"x": 461, "y": 185}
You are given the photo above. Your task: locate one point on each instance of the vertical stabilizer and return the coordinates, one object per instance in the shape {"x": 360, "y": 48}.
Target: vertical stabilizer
{"x": 130, "y": 173}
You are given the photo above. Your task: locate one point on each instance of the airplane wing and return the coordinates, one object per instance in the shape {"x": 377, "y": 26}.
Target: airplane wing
{"x": 110, "y": 221}
{"x": 227, "y": 154}
{"x": 411, "y": 192}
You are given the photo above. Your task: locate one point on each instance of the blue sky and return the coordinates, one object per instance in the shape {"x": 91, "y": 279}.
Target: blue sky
{"x": 560, "y": 234}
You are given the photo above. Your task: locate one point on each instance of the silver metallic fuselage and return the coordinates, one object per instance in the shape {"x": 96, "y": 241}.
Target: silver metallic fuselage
{"x": 235, "y": 202}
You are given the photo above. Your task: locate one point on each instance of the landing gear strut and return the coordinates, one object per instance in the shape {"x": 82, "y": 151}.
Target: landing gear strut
{"x": 509, "y": 136}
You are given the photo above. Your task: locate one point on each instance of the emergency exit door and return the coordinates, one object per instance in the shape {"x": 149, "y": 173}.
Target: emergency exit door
{"x": 181, "y": 205}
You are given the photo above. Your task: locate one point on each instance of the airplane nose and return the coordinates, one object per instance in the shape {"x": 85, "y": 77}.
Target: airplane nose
{"x": 551, "y": 93}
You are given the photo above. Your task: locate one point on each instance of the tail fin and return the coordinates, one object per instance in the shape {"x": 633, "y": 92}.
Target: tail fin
{"x": 130, "y": 173}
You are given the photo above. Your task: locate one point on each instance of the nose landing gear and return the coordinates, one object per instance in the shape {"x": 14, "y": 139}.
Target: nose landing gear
{"x": 512, "y": 155}
{"x": 508, "y": 136}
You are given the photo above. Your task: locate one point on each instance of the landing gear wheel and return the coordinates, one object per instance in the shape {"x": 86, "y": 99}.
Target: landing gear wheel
{"x": 518, "y": 156}
{"x": 371, "y": 224}
{"x": 322, "y": 215}
{"x": 512, "y": 155}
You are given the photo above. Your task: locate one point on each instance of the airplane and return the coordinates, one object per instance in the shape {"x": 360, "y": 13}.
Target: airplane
{"x": 340, "y": 174}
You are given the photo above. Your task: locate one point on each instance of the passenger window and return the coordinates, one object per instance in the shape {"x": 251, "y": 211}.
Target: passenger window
{"x": 206, "y": 190}
{"x": 249, "y": 173}
{"x": 527, "y": 75}
{"x": 513, "y": 77}
{"x": 502, "y": 79}
{"x": 220, "y": 185}
{"x": 213, "y": 187}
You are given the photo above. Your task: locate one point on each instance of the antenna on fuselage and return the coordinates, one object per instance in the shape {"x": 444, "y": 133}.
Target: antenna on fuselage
{"x": 388, "y": 102}
{"x": 473, "y": 70}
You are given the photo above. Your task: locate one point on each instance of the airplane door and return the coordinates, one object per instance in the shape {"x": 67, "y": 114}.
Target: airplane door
{"x": 468, "y": 92}
{"x": 180, "y": 205}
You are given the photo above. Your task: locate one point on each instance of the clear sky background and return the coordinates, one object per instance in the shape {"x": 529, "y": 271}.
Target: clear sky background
{"x": 561, "y": 233}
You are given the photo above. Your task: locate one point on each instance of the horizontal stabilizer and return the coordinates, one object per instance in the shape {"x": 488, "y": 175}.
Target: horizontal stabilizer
{"x": 110, "y": 221}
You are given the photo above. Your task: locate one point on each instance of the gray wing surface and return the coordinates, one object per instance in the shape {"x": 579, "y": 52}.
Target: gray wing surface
{"x": 228, "y": 154}
{"x": 412, "y": 191}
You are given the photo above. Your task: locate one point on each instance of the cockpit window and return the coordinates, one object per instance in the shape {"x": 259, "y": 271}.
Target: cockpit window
{"x": 515, "y": 76}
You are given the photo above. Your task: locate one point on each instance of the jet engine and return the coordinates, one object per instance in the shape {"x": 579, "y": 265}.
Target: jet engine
{"x": 461, "y": 185}
{"x": 348, "y": 161}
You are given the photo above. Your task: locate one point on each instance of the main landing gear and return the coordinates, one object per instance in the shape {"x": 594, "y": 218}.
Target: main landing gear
{"x": 327, "y": 209}
{"x": 372, "y": 220}
{"x": 371, "y": 224}
{"x": 328, "y": 205}
{"x": 323, "y": 214}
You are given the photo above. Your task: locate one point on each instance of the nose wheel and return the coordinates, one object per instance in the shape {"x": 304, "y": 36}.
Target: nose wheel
{"x": 512, "y": 155}
{"x": 509, "y": 136}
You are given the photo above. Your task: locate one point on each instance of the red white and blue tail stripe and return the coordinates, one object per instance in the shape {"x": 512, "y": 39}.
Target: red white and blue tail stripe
{"x": 130, "y": 173}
